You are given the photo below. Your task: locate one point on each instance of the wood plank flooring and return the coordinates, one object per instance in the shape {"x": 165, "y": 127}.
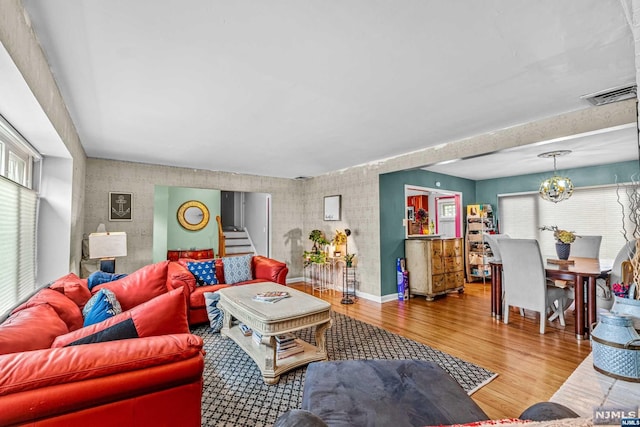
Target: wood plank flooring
{"x": 531, "y": 366}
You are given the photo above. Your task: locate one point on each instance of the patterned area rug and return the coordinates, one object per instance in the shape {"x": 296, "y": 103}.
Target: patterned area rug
{"x": 235, "y": 395}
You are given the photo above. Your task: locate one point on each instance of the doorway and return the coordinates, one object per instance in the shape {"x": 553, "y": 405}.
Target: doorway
{"x": 443, "y": 208}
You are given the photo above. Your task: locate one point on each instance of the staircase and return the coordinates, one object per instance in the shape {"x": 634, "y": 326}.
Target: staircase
{"x": 234, "y": 242}
{"x": 238, "y": 243}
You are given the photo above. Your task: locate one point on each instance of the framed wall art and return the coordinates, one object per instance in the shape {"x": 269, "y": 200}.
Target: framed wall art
{"x": 332, "y": 208}
{"x": 120, "y": 206}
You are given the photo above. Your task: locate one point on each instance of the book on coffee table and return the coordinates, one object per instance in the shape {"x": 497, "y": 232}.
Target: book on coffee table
{"x": 271, "y": 296}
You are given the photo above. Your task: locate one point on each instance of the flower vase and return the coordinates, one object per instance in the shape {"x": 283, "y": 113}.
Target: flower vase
{"x": 563, "y": 250}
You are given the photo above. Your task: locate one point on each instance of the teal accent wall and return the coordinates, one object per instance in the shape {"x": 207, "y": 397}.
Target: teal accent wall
{"x": 160, "y": 215}
{"x": 392, "y": 212}
{"x": 167, "y": 201}
{"x": 487, "y": 190}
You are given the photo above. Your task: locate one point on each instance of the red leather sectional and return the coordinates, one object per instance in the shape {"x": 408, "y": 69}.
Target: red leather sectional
{"x": 152, "y": 380}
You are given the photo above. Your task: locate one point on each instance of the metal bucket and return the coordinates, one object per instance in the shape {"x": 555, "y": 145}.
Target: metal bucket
{"x": 628, "y": 306}
{"x": 616, "y": 347}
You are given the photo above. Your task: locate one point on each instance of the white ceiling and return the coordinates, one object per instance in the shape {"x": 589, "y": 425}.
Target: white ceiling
{"x": 294, "y": 88}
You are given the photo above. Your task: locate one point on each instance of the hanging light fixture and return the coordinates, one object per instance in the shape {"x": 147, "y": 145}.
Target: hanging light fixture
{"x": 556, "y": 188}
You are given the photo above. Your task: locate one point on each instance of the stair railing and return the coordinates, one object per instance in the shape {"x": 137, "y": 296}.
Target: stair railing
{"x": 221, "y": 239}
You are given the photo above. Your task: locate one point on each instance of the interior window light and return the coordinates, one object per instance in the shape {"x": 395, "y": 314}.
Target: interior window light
{"x": 448, "y": 210}
{"x": 17, "y": 169}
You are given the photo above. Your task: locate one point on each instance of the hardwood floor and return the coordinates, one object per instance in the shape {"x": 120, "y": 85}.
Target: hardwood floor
{"x": 531, "y": 366}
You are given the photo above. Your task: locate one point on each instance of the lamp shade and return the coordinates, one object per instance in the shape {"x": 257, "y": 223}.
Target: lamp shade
{"x": 107, "y": 245}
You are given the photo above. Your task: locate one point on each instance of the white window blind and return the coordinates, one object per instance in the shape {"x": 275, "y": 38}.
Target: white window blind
{"x": 18, "y": 213}
{"x": 590, "y": 211}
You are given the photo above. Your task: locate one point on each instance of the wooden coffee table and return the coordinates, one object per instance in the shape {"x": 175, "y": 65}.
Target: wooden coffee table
{"x": 296, "y": 312}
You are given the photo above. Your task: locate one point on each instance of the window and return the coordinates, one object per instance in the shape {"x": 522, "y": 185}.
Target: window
{"x": 448, "y": 210}
{"x": 18, "y": 217}
{"x": 589, "y": 211}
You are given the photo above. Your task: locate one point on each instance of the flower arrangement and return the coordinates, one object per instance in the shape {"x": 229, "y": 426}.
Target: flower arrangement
{"x": 340, "y": 238}
{"x": 620, "y": 289}
{"x": 561, "y": 236}
{"x": 422, "y": 216}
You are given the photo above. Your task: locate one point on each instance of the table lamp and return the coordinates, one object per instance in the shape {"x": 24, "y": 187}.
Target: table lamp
{"x": 107, "y": 246}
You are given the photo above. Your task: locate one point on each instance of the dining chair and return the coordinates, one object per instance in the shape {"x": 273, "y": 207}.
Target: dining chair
{"x": 525, "y": 283}
{"x": 586, "y": 247}
{"x": 494, "y": 243}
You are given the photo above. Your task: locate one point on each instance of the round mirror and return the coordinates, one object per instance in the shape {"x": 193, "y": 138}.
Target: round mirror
{"x": 193, "y": 215}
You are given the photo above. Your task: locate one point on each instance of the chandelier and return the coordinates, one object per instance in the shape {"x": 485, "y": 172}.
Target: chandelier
{"x": 556, "y": 188}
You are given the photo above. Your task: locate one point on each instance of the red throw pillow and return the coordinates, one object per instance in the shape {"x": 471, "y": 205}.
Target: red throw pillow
{"x": 32, "y": 328}
{"x": 162, "y": 315}
{"x": 139, "y": 286}
{"x": 74, "y": 288}
{"x": 67, "y": 310}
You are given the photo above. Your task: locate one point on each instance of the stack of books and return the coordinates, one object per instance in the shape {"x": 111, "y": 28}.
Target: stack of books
{"x": 287, "y": 345}
{"x": 271, "y": 296}
{"x": 257, "y": 336}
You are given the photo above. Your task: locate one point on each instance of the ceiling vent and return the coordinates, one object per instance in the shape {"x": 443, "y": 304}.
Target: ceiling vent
{"x": 608, "y": 96}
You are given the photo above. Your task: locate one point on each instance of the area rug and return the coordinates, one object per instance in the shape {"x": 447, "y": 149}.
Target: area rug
{"x": 235, "y": 395}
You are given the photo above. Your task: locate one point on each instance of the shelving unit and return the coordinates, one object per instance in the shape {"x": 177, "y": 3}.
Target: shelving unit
{"x": 477, "y": 250}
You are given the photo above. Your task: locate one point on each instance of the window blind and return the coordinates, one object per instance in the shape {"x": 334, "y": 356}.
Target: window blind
{"x": 18, "y": 213}
{"x": 590, "y": 211}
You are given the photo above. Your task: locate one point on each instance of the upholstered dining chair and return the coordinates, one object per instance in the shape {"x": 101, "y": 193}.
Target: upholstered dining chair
{"x": 586, "y": 247}
{"x": 525, "y": 283}
{"x": 493, "y": 241}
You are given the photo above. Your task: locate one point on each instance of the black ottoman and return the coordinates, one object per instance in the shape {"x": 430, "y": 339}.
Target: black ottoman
{"x": 386, "y": 393}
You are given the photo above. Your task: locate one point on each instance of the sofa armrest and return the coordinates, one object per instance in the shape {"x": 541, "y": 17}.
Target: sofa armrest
{"x": 178, "y": 275}
{"x": 269, "y": 269}
{"x": 43, "y": 383}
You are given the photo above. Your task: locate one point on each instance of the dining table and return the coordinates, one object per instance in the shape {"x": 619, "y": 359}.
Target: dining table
{"x": 575, "y": 270}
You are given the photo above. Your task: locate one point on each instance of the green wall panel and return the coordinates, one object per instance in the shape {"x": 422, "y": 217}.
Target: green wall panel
{"x": 392, "y": 212}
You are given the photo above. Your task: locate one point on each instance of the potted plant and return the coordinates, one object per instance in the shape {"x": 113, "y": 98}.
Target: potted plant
{"x": 348, "y": 259}
{"x": 563, "y": 238}
{"x": 318, "y": 239}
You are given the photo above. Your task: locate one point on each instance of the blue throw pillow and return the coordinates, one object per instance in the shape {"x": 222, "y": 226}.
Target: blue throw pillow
{"x": 213, "y": 312}
{"x": 204, "y": 272}
{"x": 99, "y": 277}
{"x": 237, "y": 269}
{"x": 101, "y": 306}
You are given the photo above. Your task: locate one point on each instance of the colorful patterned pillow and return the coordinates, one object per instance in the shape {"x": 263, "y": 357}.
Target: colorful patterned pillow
{"x": 213, "y": 312}
{"x": 237, "y": 269}
{"x": 204, "y": 272}
{"x": 101, "y": 306}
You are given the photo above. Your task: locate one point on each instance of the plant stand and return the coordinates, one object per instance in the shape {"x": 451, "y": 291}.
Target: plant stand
{"x": 348, "y": 285}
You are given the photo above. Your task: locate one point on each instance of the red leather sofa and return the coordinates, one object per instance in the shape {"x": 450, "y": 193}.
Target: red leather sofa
{"x": 48, "y": 379}
{"x": 263, "y": 269}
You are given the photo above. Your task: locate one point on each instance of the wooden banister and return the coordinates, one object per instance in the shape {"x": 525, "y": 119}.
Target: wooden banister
{"x": 221, "y": 238}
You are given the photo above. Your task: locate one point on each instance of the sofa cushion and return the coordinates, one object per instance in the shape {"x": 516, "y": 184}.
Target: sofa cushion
{"x": 204, "y": 272}
{"x": 139, "y": 286}
{"x": 99, "y": 277}
{"x": 237, "y": 269}
{"x": 162, "y": 315}
{"x": 100, "y": 307}
{"x": 66, "y": 309}
{"x": 74, "y": 288}
{"x": 31, "y": 328}
{"x": 214, "y": 314}
{"x": 196, "y": 299}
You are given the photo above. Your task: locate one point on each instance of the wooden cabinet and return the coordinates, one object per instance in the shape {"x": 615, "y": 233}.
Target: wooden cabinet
{"x": 435, "y": 266}
{"x": 174, "y": 255}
